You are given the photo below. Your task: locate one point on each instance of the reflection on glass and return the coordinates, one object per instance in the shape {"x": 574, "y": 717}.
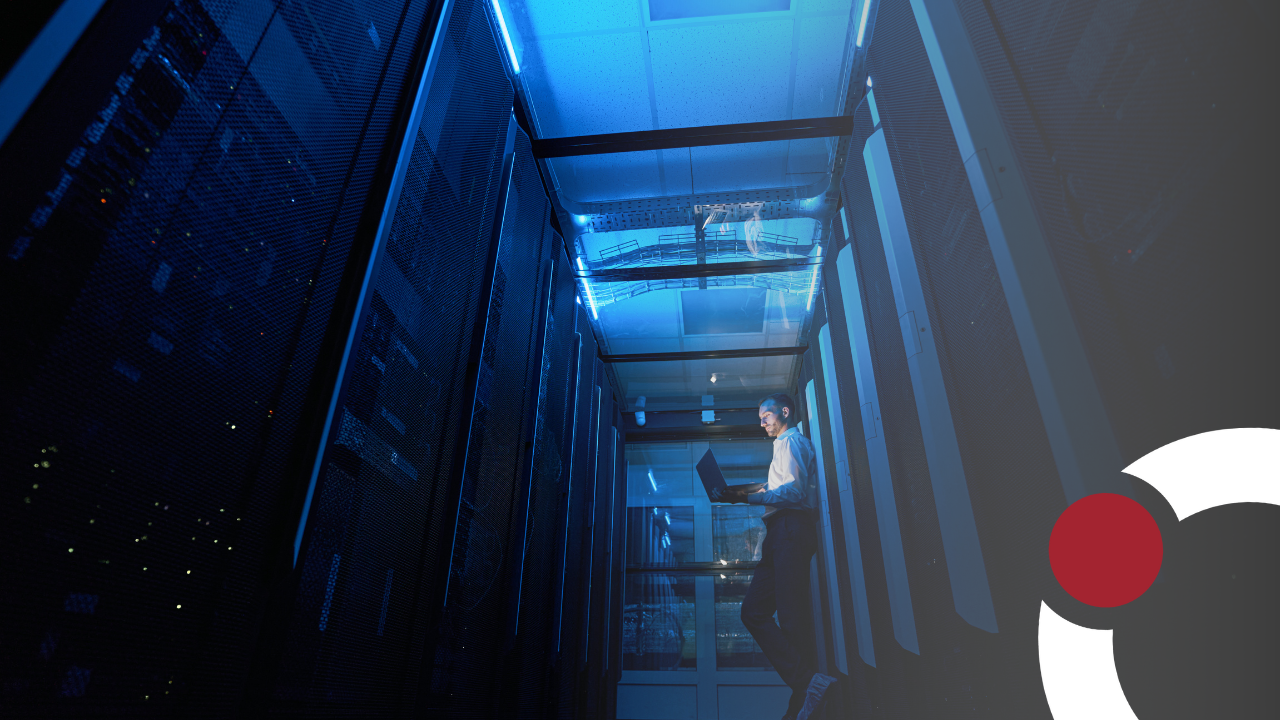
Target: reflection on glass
{"x": 738, "y": 532}
{"x": 735, "y": 649}
{"x": 659, "y": 470}
{"x": 659, "y": 536}
{"x": 657, "y": 623}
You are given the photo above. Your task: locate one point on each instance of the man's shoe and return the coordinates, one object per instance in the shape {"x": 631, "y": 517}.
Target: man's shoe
{"x": 814, "y": 696}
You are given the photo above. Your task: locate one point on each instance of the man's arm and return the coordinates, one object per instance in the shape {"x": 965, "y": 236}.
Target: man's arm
{"x": 791, "y": 493}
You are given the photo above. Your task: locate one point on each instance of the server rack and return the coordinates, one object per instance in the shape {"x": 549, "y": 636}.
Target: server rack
{"x": 296, "y": 277}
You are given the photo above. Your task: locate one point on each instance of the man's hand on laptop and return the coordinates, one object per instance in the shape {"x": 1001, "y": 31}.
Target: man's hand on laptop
{"x": 732, "y": 494}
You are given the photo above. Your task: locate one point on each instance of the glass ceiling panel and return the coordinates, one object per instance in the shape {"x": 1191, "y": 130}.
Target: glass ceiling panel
{"x": 605, "y": 66}
{"x": 739, "y": 382}
{"x": 717, "y": 318}
{"x": 684, "y": 171}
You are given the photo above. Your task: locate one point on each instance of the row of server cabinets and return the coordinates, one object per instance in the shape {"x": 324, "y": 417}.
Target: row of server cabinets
{"x": 302, "y": 415}
{"x": 942, "y": 456}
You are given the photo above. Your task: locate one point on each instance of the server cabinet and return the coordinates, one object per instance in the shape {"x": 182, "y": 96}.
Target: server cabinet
{"x": 184, "y": 204}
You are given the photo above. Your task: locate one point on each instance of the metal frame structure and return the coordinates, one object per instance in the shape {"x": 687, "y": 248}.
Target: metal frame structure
{"x": 705, "y": 354}
{"x": 706, "y": 135}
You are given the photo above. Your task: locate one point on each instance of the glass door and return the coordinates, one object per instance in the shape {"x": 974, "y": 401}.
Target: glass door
{"x": 685, "y": 652}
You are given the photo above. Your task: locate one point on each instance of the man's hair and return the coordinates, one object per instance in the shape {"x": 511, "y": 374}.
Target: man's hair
{"x": 782, "y": 400}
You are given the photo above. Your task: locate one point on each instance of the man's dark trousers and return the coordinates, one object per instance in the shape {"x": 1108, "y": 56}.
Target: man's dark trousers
{"x": 781, "y": 584}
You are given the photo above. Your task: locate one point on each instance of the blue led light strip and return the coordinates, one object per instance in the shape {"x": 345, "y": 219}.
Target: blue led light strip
{"x": 511, "y": 50}
{"x": 862, "y": 24}
{"x": 587, "y": 286}
{"x": 813, "y": 286}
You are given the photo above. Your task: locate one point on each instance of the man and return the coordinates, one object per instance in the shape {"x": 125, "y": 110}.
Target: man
{"x": 781, "y": 580}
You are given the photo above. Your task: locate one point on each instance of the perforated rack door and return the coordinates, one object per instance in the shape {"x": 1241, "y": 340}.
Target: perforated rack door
{"x": 1149, "y": 155}
{"x": 385, "y": 508}
{"x": 1013, "y": 483}
{"x": 168, "y": 282}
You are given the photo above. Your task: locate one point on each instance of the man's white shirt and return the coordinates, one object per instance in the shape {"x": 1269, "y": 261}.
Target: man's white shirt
{"x": 793, "y": 475}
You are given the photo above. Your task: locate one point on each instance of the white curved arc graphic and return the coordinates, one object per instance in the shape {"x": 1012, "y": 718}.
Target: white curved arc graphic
{"x": 1079, "y": 671}
{"x": 1220, "y": 467}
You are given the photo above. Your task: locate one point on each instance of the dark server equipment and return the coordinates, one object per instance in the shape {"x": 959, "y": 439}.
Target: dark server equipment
{"x": 301, "y": 419}
{"x": 1094, "y": 131}
{"x": 180, "y": 250}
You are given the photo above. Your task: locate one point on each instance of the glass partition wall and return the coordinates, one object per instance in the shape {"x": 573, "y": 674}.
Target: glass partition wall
{"x": 688, "y": 567}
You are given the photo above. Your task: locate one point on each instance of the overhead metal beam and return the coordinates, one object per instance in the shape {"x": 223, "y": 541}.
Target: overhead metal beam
{"x": 693, "y": 137}
{"x": 705, "y": 354}
{"x": 679, "y": 272}
{"x": 697, "y": 434}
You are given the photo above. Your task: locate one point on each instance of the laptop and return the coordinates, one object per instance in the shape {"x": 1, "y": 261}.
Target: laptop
{"x": 709, "y": 472}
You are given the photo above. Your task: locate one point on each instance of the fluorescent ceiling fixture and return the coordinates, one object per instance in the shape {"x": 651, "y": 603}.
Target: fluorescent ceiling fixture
{"x": 680, "y": 9}
{"x": 654, "y": 483}
{"x": 862, "y": 24}
{"x": 511, "y": 50}
{"x": 587, "y": 286}
{"x": 813, "y": 286}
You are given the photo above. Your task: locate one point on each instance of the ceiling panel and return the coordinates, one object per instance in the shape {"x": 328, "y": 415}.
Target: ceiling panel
{"x": 576, "y": 17}
{"x": 820, "y": 50}
{"x": 588, "y": 84}
{"x": 714, "y": 74}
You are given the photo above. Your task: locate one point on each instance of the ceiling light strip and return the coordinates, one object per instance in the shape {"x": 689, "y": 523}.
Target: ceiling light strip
{"x": 587, "y": 287}
{"x": 506, "y": 36}
{"x": 862, "y": 24}
{"x": 813, "y": 286}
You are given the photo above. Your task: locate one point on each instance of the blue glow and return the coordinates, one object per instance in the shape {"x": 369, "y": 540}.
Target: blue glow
{"x": 862, "y": 24}
{"x": 668, "y": 517}
{"x": 813, "y": 286}
{"x": 506, "y": 36}
{"x": 581, "y": 219}
{"x": 586, "y": 286}
{"x": 868, "y": 81}
{"x": 654, "y": 483}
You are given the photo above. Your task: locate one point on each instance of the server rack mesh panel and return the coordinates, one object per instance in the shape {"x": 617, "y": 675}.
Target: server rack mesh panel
{"x": 1146, "y": 137}
{"x": 379, "y": 516}
{"x": 487, "y": 541}
{"x": 570, "y": 659}
{"x": 541, "y": 561}
{"x": 1012, "y": 480}
{"x": 887, "y": 688}
{"x": 177, "y": 275}
{"x": 596, "y": 590}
